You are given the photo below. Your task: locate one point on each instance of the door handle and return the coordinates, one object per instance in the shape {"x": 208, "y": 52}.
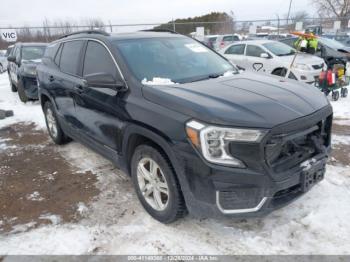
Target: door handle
{"x": 51, "y": 79}
{"x": 79, "y": 88}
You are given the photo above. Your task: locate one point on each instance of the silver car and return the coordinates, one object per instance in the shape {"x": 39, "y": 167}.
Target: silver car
{"x": 225, "y": 40}
{"x": 272, "y": 57}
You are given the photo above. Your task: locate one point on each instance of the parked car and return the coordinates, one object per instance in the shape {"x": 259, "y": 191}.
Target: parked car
{"x": 224, "y": 40}
{"x": 342, "y": 38}
{"x": 273, "y": 57}
{"x": 209, "y": 40}
{"x": 330, "y": 50}
{"x": 23, "y": 61}
{"x": 3, "y": 62}
{"x": 192, "y": 132}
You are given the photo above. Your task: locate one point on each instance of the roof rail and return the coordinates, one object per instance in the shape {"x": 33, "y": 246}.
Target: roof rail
{"x": 160, "y": 30}
{"x": 100, "y": 32}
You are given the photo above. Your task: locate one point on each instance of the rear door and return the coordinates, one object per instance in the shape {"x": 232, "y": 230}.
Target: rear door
{"x": 66, "y": 83}
{"x": 235, "y": 53}
{"x": 100, "y": 110}
{"x": 13, "y": 67}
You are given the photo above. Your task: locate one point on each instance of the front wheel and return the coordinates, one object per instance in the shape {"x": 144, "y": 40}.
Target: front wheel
{"x": 21, "y": 93}
{"x": 156, "y": 185}
{"x": 53, "y": 126}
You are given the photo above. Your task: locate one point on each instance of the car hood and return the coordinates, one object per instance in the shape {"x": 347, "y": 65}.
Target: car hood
{"x": 302, "y": 59}
{"x": 246, "y": 100}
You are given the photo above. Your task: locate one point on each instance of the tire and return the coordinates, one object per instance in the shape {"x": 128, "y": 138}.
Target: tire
{"x": 335, "y": 95}
{"x": 53, "y": 127}
{"x": 162, "y": 182}
{"x": 1, "y": 69}
{"x": 344, "y": 92}
{"x": 21, "y": 93}
{"x": 13, "y": 87}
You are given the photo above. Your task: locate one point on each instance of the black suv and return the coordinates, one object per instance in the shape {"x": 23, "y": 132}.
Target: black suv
{"x": 22, "y": 63}
{"x": 193, "y": 133}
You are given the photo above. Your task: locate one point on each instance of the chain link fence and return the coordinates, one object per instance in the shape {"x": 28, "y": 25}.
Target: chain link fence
{"x": 272, "y": 28}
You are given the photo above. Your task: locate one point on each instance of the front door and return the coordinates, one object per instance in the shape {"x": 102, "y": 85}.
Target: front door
{"x": 100, "y": 110}
{"x": 254, "y": 61}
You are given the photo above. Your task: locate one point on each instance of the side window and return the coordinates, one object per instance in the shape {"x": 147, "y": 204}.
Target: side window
{"x": 58, "y": 55}
{"x": 51, "y": 51}
{"x": 17, "y": 53}
{"x": 235, "y": 50}
{"x": 98, "y": 60}
{"x": 70, "y": 57}
{"x": 228, "y": 38}
{"x": 253, "y": 50}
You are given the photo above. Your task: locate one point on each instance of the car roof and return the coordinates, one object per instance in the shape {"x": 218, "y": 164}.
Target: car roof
{"x": 119, "y": 36}
{"x": 256, "y": 41}
{"x": 31, "y": 44}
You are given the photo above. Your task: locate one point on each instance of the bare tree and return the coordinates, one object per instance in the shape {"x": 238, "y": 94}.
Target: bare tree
{"x": 333, "y": 8}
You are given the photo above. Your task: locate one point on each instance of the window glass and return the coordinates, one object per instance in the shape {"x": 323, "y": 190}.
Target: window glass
{"x": 98, "y": 60}
{"x": 228, "y": 38}
{"x": 70, "y": 57}
{"x": 51, "y": 50}
{"x": 179, "y": 59}
{"x": 253, "y": 50}
{"x": 32, "y": 52}
{"x": 58, "y": 56}
{"x": 235, "y": 50}
{"x": 279, "y": 49}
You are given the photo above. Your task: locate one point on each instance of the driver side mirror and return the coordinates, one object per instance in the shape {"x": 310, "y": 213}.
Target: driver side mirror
{"x": 11, "y": 58}
{"x": 104, "y": 80}
{"x": 265, "y": 55}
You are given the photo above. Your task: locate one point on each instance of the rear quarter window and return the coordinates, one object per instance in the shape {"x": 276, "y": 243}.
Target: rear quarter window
{"x": 51, "y": 51}
{"x": 70, "y": 57}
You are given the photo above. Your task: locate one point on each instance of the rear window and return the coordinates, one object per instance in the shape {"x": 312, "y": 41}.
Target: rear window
{"x": 70, "y": 57}
{"x": 235, "y": 50}
{"x": 33, "y": 52}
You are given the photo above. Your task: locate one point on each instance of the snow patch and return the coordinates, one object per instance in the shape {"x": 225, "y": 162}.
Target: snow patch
{"x": 35, "y": 196}
{"x": 158, "y": 81}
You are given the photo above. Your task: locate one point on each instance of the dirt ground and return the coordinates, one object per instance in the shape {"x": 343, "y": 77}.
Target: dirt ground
{"x": 36, "y": 182}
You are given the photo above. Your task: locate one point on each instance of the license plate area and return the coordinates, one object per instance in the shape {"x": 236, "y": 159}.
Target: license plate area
{"x": 312, "y": 176}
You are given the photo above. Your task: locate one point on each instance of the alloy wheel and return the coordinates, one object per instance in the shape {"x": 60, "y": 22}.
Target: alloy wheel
{"x": 152, "y": 183}
{"x": 51, "y": 122}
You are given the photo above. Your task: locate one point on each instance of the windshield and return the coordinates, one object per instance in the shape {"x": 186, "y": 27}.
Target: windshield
{"x": 279, "y": 49}
{"x": 334, "y": 44}
{"x": 179, "y": 59}
{"x": 32, "y": 52}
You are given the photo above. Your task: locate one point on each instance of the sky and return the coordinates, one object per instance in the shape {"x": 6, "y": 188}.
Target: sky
{"x": 33, "y": 12}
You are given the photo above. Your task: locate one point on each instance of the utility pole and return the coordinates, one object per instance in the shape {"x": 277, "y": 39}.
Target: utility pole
{"x": 290, "y": 5}
{"x": 278, "y": 24}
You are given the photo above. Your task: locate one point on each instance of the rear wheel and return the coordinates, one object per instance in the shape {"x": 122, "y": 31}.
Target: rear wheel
{"x": 1, "y": 68}
{"x": 53, "y": 126}
{"x": 156, "y": 185}
{"x": 344, "y": 92}
{"x": 335, "y": 95}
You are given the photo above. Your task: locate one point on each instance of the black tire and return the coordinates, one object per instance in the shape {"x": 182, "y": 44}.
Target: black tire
{"x": 1, "y": 69}
{"x": 13, "y": 88}
{"x": 344, "y": 92}
{"x": 335, "y": 95}
{"x": 21, "y": 93}
{"x": 58, "y": 137}
{"x": 175, "y": 207}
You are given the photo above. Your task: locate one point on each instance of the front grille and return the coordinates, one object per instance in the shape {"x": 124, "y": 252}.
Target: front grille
{"x": 316, "y": 67}
{"x": 287, "y": 150}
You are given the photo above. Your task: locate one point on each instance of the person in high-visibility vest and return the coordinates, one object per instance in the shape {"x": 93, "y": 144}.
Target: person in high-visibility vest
{"x": 307, "y": 44}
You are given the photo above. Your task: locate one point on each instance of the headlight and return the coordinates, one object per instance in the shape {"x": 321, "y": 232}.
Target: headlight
{"x": 213, "y": 142}
{"x": 302, "y": 67}
{"x": 29, "y": 70}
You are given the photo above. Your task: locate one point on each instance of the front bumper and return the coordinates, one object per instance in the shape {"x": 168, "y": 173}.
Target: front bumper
{"x": 30, "y": 86}
{"x": 308, "y": 77}
{"x": 214, "y": 191}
